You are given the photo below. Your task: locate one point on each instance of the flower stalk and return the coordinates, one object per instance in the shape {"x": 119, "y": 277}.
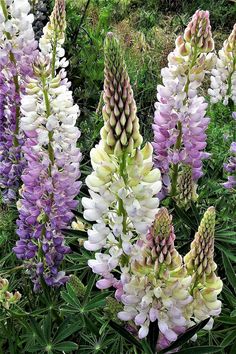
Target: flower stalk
{"x": 180, "y": 124}
{"x": 53, "y": 160}
{"x": 123, "y": 183}
{"x": 18, "y": 50}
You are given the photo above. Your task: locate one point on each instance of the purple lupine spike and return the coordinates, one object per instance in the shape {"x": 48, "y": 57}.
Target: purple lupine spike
{"x": 18, "y": 50}
{"x": 180, "y": 123}
{"x": 50, "y": 179}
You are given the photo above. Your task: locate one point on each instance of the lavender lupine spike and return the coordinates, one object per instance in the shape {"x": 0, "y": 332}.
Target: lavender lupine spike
{"x": 17, "y": 52}
{"x": 201, "y": 266}
{"x": 223, "y": 79}
{"x": 50, "y": 178}
{"x": 180, "y": 123}
{"x": 230, "y": 167}
{"x": 156, "y": 287}
{"x": 123, "y": 183}
{"x": 121, "y": 127}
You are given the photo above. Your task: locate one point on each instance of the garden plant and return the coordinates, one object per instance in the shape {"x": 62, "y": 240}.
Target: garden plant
{"x": 117, "y": 176}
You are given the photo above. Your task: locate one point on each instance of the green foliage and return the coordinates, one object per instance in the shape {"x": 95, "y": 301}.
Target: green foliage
{"x": 7, "y": 224}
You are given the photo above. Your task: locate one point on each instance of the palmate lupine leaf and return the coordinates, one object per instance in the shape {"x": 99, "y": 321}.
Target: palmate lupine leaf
{"x": 201, "y": 350}
{"x": 230, "y": 272}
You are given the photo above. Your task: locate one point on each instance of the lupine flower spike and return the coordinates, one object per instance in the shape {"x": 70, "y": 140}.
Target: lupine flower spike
{"x": 157, "y": 285}
{"x": 123, "y": 184}
{"x": 200, "y": 264}
{"x": 121, "y": 126}
{"x": 54, "y": 37}
{"x": 51, "y": 176}
{"x": 223, "y": 88}
{"x": 186, "y": 188}
{"x": 17, "y": 53}
{"x": 223, "y": 79}
{"x": 180, "y": 123}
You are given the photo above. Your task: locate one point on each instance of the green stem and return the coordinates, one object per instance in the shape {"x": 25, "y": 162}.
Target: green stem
{"x": 176, "y": 166}
{"x": 4, "y": 9}
{"x": 51, "y": 155}
{"x": 179, "y": 127}
{"x": 48, "y": 113}
{"x": 12, "y": 270}
{"x": 54, "y": 52}
{"x": 121, "y": 209}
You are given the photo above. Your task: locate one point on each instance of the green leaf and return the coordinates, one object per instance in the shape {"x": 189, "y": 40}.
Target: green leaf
{"x": 229, "y": 270}
{"x": 228, "y": 339}
{"x": 201, "y": 350}
{"x": 232, "y": 350}
{"x": 226, "y": 251}
{"x": 66, "y": 330}
{"x": 35, "y": 348}
{"x": 231, "y": 240}
{"x": 37, "y": 330}
{"x": 146, "y": 347}
{"x": 71, "y": 299}
{"x": 183, "y": 338}
{"x": 186, "y": 218}
{"x": 91, "y": 325}
{"x": 125, "y": 334}
{"x": 95, "y": 304}
{"x": 65, "y": 346}
{"x": 89, "y": 288}
{"x": 47, "y": 325}
{"x": 226, "y": 319}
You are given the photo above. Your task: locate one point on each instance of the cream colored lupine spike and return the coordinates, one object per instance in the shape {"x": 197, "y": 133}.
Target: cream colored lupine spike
{"x": 186, "y": 188}
{"x": 121, "y": 128}
{"x": 200, "y": 258}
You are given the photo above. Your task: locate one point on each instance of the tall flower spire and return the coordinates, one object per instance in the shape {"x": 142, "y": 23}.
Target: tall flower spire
{"x": 180, "y": 123}
{"x": 201, "y": 266}
{"x": 223, "y": 79}
{"x": 51, "y": 175}
{"x": 156, "y": 286}
{"x": 54, "y": 36}
{"x": 223, "y": 88}
{"x": 186, "y": 188}
{"x": 123, "y": 183}
{"x": 121, "y": 128}
{"x": 159, "y": 287}
{"x": 17, "y": 52}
